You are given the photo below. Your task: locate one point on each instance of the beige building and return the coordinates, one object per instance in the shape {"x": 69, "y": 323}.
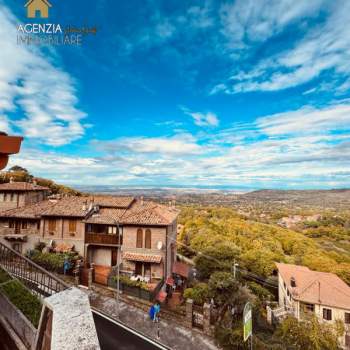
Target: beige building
{"x": 98, "y": 228}
{"x": 304, "y": 292}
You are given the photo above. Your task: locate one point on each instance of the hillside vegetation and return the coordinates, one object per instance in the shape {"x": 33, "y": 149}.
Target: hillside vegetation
{"x": 221, "y": 232}
{"x": 19, "y": 174}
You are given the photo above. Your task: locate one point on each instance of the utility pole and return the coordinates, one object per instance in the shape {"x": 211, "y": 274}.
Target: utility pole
{"x": 234, "y": 268}
{"x": 118, "y": 268}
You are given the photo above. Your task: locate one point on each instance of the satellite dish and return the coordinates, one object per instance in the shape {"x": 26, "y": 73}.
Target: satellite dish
{"x": 159, "y": 245}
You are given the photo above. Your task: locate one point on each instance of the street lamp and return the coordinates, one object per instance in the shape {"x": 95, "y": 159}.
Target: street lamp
{"x": 118, "y": 268}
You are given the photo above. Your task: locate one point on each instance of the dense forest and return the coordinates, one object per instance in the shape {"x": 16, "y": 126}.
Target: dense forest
{"x": 256, "y": 246}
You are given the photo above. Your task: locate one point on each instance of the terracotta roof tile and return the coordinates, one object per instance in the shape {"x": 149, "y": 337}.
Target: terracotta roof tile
{"x": 315, "y": 287}
{"x": 68, "y": 206}
{"x": 149, "y": 213}
{"x": 106, "y": 216}
{"x": 142, "y": 257}
{"x": 113, "y": 201}
{"x": 31, "y": 211}
{"x": 21, "y": 186}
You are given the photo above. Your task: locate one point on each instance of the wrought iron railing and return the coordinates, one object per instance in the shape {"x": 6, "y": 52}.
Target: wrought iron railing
{"x": 37, "y": 279}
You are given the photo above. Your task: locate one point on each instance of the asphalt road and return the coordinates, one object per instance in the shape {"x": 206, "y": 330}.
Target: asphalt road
{"x": 113, "y": 336}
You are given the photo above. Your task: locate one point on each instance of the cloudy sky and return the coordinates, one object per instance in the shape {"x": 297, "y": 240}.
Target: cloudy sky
{"x": 252, "y": 94}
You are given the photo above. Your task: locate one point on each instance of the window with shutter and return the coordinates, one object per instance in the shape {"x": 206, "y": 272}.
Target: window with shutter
{"x": 52, "y": 225}
{"x": 139, "y": 238}
{"x": 148, "y": 239}
{"x": 72, "y": 226}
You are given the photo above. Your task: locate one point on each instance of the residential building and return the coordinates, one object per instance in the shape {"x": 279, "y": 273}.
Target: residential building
{"x": 304, "y": 293}
{"x": 20, "y": 194}
{"x": 98, "y": 228}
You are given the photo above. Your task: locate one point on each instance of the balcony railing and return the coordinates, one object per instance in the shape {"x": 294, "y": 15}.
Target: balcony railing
{"x": 100, "y": 238}
{"x": 30, "y": 274}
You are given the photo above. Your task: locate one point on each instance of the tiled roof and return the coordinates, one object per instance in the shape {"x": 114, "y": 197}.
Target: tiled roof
{"x": 136, "y": 212}
{"x": 113, "y": 201}
{"x": 21, "y": 186}
{"x": 106, "y": 216}
{"x": 142, "y": 257}
{"x": 68, "y": 206}
{"x": 315, "y": 287}
{"x": 149, "y": 213}
{"x": 31, "y": 211}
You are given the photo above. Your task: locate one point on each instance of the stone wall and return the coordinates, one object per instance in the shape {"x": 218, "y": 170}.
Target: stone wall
{"x": 23, "y": 328}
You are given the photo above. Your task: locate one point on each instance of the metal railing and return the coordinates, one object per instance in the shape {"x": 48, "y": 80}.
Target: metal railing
{"x": 33, "y": 276}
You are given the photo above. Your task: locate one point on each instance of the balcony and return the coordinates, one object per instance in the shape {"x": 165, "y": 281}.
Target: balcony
{"x": 100, "y": 238}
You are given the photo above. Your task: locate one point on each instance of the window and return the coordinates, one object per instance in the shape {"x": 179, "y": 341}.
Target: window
{"x": 308, "y": 308}
{"x": 347, "y": 317}
{"x": 38, "y": 225}
{"x": 327, "y": 314}
{"x": 139, "y": 238}
{"x": 12, "y": 197}
{"x": 112, "y": 230}
{"x": 284, "y": 285}
{"x": 148, "y": 239}
{"x": 11, "y": 224}
{"x": 24, "y": 225}
{"x": 72, "y": 226}
{"x": 5, "y": 197}
{"x": 52, "y": 225}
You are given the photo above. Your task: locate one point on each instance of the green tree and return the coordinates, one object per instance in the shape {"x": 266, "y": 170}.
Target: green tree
{"x": 216, "y": 258}
{"x": 199, "y": 293}
{"x": 310, "y": 334}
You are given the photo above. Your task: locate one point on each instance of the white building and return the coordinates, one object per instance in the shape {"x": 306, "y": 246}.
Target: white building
{"x": 305, "y": 292}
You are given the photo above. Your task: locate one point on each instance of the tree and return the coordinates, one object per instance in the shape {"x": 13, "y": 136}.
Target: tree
{"x": 199, "y": 293}
{"x": 216, "y": 258}
{"x": 310, "y": 334}
{"x": 17, "y": 168}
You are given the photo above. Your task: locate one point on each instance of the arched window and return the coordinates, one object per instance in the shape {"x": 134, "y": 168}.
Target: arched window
{"x": 148, "y": 239}
{"x": 139, "y": 238}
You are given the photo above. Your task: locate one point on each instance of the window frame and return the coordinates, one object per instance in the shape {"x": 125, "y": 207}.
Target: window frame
{"x": 347, "y": 317}
{"x": 24, "y": 224}
{"x": 327, "y": 314}
{"x": 139, "y": 238}
{"x": 148, "y": 238}
{"x": 52, "y": 225}
{"x": 72, "y": 226}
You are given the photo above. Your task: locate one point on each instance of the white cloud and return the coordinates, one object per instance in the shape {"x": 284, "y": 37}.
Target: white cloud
{"x": 202, "y": 119}
{"x": 324, "y": 47}
{"x": 4, "y": 124}
{"x": 44, "y": 92}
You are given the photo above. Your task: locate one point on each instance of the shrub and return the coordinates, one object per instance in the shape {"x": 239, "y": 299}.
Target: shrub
{"x": 4, "y": 277}
{"x": 51, "y": 261}
{"x": 40, "y": 246}
{"x": 261, "y": 292}
{"x": 199, "y": 293}
{"x": 128, "y": 282}
{"x": 21, "y": 297}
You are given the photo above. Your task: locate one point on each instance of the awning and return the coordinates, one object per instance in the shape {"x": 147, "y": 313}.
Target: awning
{"x": 16, "y": 238}
{"x": 143, "y": 257}
{"x": 170, "y": 281}
{"x": 161, "y": 296}
{"x": 181, "y": 269}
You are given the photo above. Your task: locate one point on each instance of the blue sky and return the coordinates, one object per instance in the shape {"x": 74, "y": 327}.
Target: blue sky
{"x": 250, "y": 94}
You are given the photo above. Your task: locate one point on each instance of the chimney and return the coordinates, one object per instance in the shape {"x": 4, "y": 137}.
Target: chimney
{"x": 169, "y": 204}
{"x": 141, "y": 198}
{"x": 85, "y": 206}
{"x": 11, "y": 180}
{"x": 293, "y": 282}
{"x": 91, "y": 204}
{"x": 34, "y": 182}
